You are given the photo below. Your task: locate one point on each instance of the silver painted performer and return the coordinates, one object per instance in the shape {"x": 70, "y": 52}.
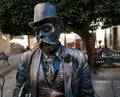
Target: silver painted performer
{"x": 52, "y": 70}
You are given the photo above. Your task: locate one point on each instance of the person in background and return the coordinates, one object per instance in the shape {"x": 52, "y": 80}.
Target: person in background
{"x": 52, "y": 70}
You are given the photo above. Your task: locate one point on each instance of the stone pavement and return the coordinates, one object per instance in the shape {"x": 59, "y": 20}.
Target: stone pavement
{"x": 101, "y": 80}
{"x": 9, "y": 72}
{"x": 14, "y": 59}
{"x": 9, "y": 84}
{"x": 102, "y": 87}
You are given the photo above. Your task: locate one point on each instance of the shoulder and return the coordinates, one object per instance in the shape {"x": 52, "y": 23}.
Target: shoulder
{"x": 26, "y": 55}
{"x": 76, "y": 55}
{"x": 74, "y": 52}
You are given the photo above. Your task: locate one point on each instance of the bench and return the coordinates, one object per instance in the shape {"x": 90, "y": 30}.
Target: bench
{"x": 4, "y": 57}
{"x": 106, "y": 55}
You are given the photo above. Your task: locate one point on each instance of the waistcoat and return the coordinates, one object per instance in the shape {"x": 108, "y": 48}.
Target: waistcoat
{"x": 37, "y": 73}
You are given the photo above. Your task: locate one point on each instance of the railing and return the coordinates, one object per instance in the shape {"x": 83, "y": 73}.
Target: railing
{"x": 2, "y": 81}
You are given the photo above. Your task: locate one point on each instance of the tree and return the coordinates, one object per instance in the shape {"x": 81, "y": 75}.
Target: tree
{"x": 78, "y": 15}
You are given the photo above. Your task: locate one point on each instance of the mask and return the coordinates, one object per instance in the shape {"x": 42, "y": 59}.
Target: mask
{"x": 47, "y": 36}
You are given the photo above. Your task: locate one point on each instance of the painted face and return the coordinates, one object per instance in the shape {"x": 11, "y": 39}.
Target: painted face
{"x": 47, "y": 35}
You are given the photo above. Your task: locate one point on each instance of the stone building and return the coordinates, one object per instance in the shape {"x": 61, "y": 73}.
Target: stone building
{"x": 5, "y": 43}
{"x": 15, "y": 44}
{"x": 109, "y": 37}
{"x": 112, "y": 37}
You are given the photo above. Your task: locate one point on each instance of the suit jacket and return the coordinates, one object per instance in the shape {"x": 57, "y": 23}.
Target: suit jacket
{"x": 77, "y": 78}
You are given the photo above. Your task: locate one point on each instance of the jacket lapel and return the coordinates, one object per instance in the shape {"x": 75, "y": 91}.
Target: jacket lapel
{"x": 36, "y": 60}
{"x": 67, "y": 73}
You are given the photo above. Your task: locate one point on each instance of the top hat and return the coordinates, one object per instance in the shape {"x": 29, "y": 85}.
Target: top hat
{"x": 45, "y": 13}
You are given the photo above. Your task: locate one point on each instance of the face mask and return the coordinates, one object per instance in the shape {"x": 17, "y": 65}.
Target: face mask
{"x": 47, "y": 36}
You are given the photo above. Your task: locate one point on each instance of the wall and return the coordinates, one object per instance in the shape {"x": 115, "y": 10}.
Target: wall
{"x": 100, "y": 35}
{"x": 72, "y": 40}
{"x": 113, "y": 38}
{"x": 31, "y": 41}
{"x": 5, "y": 43}
{"x": 19, "y": 43}
{"x": 13, "y": 44}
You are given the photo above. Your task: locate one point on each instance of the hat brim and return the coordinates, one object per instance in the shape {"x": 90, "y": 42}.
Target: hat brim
{"x": 52, "y": 19}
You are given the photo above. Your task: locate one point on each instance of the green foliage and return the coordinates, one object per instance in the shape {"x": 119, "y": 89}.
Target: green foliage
{"x": 77, "y": 12}
{"x": 16, "y": 14}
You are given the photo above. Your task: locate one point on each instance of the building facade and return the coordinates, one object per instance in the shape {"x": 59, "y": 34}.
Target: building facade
{"x": 109, "y": 37}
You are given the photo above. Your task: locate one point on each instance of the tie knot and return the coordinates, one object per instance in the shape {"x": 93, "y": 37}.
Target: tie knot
{"x": 50, "y": 59}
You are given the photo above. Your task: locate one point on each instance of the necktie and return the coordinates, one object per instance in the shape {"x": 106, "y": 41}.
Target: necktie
{"x": 51, "y": 67}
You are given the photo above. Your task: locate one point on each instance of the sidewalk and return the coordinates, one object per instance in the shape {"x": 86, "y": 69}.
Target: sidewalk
{"x": 9, "y": 84}
{"x": 102, "y": 80}
{"x": 14, "y": 60}
{"x": 10, "y": 73}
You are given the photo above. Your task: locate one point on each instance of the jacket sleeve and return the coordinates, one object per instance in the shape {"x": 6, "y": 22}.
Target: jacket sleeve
{"x": 21, "y": 76}
{"x": 86, "y": 88}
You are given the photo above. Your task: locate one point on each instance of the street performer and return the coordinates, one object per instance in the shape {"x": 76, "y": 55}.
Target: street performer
{"x": 52, "y": 70}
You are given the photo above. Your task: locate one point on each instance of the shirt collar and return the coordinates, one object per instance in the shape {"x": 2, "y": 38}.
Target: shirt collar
{"x": 57, "y": 53}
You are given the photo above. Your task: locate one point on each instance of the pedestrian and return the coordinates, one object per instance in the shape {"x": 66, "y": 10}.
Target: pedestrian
{"x": 52, "y": 70}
